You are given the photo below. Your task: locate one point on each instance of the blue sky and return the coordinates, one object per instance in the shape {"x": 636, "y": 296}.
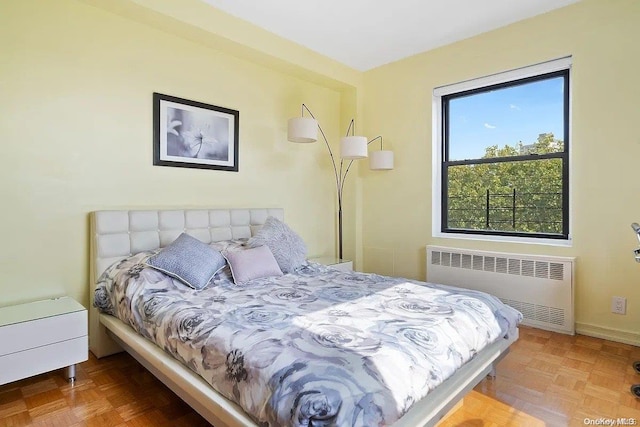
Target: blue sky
{"x": 505, "y": 117}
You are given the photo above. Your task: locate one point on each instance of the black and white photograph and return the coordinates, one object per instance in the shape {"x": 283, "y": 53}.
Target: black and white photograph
{"x": 194, "y": 134}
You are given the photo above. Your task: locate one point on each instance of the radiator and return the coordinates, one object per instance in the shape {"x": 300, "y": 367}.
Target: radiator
{"x": 540, "y": 287}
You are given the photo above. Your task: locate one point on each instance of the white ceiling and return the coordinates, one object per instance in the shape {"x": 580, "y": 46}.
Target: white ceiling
{"x": 364, "y": 34}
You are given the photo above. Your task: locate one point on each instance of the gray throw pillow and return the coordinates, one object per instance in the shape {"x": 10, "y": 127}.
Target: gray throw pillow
{"x": 287, "y": 247}
{"x": 189, "y": 260}
{"x": 253, "y": 263}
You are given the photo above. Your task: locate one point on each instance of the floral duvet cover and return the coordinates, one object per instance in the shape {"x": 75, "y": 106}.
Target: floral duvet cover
{"x": 320, "y": 347}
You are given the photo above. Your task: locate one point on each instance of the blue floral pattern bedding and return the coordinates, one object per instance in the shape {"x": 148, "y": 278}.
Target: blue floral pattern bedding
{"x": 320, "y": 347}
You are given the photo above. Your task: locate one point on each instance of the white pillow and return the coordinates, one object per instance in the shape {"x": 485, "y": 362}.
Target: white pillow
{"x": 251, "y": 264}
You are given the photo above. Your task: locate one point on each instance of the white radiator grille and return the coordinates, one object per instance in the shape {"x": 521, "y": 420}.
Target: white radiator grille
{"x": 510, "y": 265}
{"x": 540, "y": 287}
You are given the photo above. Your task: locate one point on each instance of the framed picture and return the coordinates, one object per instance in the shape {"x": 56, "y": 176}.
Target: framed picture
{"x": 192, "y": 134}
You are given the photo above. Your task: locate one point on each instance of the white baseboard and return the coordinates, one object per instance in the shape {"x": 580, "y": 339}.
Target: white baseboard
{"x": 616, "y": 335}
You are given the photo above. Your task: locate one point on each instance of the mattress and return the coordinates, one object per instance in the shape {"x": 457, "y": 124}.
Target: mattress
{"x": 316, "y": 347}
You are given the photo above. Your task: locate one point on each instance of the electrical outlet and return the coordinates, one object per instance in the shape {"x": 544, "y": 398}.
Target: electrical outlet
{"x": 619, "y": 305}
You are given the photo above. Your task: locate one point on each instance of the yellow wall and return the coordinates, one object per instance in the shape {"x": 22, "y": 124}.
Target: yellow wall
{"x": 76, "y": 78}
{"x": 76, "y": 86}
{"x": 603, "y": 38}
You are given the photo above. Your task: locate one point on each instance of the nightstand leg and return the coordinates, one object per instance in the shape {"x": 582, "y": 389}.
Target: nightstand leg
{"x": 71, "y": 373}
{"x": 492, "y": 373}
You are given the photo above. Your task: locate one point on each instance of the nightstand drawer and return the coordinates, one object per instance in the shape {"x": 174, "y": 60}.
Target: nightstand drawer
{"x": 42, "y": 332}
{"x": 338, "y": 264}
{"x": 343, "y": 266}
{"x": 43, "y": 359}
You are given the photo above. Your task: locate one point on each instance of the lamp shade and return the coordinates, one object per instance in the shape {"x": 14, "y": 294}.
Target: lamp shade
{"x": 381, "y": 160}
{"x": 353, "y": 147}
{"x": 302, "y": 129}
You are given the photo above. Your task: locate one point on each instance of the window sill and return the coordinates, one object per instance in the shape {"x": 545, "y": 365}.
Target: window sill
{"x": 506, "y": 239}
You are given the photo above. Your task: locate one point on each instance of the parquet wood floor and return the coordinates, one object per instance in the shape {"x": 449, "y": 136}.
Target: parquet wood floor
{"x": 547, "y": 379}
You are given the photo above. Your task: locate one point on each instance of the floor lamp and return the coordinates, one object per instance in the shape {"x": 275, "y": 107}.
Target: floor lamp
{"x": 352, "y": 147}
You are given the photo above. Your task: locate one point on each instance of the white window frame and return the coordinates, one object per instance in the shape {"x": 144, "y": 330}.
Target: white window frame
{"x": 437, "y": 145}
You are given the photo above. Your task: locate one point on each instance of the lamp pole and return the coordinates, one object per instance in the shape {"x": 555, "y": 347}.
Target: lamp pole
{"x": 636, "y": 229}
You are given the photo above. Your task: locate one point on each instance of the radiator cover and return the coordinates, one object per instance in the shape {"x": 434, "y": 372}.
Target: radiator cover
{"x": 540, "y": 287}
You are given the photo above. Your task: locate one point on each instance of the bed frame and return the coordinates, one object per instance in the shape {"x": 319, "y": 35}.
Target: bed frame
{"x": 118, "y": 234}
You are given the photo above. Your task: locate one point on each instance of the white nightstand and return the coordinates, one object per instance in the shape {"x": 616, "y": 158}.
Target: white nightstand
{"x": 41, "y": 336}
{"x": 339, "y": 264}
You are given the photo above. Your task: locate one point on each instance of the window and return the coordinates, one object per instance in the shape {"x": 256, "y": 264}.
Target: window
{"x": 501, "y": 144}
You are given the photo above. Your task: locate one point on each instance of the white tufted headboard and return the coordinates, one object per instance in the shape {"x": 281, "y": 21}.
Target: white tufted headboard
{"x": 118, "y": 234}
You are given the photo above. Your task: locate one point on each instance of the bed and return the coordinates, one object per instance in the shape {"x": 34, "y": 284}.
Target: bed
{"x": 124, "y": 235}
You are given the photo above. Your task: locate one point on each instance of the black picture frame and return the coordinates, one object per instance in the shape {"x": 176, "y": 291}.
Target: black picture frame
{"x": 191, "y": 134}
